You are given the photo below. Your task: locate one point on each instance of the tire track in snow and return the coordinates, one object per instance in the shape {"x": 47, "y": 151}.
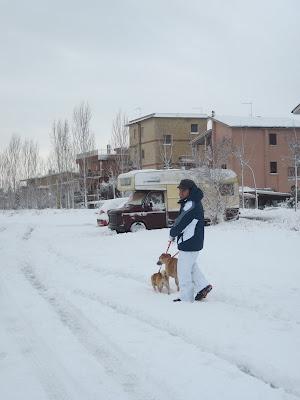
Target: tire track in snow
{"x": 28, "y": 233}
{"x": 162, "y": 325}
{"x": 122, "y": 369}
{"x": 272, "y": 315}
{"x": 174, "y": 331}
{"x": 120, "y": 273}
{"x": 33, "y": 349}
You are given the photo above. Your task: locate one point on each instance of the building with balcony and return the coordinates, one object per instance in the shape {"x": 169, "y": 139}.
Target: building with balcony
{"x": 260, "y": 145}
{"x": 164, "y": 140}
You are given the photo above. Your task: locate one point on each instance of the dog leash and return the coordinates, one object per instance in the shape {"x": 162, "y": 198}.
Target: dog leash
{"x": 169, "y": 244}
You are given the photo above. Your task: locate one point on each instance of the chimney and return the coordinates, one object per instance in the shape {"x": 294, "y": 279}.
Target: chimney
{"x": 212, "y": 114}
{"x": 108, "y": 149}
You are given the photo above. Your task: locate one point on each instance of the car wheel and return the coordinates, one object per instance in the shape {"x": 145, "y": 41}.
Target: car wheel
{"x": 137, "y": 226}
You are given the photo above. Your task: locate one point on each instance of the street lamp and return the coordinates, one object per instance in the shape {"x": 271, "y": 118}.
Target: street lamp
{"x": 254, "y": 181}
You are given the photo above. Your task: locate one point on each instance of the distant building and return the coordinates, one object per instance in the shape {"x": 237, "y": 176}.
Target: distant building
{"x": 101, "y": 167}
{"x": 265, "y": 143}
{"x": 50, "y": 190}
{"x": 164, "y": 140}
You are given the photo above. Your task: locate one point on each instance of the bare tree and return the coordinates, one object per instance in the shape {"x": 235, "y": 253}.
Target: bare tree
{"x": 166, "y": 141}
{"x": 63, "y": 162}
{"x": 84, "y": 140}
{"x": 166, "y": 150}
{"x": 239, "y": 153}
{"x": 30, "y": 162}
{"x": 3, "y": 177}
{"x": 120, "y": 141}
{"x": 30, "y": 158}
{"x": 243, "y": 157}
{"x": 293, "y": 142}
{"x": 210, "y": 171}
{"x": 13, "y": 163}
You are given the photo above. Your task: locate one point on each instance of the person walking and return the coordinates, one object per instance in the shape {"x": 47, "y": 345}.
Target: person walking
{"x": 189, "y": 230}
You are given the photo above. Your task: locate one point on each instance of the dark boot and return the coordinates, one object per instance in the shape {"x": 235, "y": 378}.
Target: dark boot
{"x": 203, "y": 293}
{"x": 175, "y": 300}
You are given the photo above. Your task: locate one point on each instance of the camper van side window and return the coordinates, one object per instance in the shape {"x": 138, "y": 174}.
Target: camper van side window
{"x": 125, "y": 181}
{"x": 227, "y": 189}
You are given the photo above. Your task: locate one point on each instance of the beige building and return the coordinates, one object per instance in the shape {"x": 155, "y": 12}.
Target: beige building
{"x": 164, "y": 140}
{"x": 263, "y": 146}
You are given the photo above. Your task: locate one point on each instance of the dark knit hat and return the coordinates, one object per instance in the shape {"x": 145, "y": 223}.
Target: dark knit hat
{"x": 186, "y": 184}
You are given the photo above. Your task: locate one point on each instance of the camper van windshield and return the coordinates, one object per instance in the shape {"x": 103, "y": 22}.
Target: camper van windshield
{"x": 136, "y": 198}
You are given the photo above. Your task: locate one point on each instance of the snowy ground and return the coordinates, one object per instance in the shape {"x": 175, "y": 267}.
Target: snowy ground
{"x": 79, "y": 319}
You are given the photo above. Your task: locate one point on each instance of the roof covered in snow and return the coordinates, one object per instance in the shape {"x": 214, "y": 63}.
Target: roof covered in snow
{"x": 257, "y": 122}
{"x": 168, "y": 115}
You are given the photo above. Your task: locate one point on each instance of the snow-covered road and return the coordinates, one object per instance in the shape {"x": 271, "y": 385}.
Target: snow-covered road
{"x": 79, "y": 318}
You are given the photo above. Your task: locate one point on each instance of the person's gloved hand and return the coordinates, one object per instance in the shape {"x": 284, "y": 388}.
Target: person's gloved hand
{"x": 171, "y": 239}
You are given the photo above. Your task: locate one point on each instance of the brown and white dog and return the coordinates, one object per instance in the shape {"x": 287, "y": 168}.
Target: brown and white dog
{"x": 159, "y": 280}
{"x": 170, "y": 266}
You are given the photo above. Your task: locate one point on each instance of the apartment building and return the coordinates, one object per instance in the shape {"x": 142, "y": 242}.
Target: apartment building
{"x": 262, "y": 143}
{"x": 164, "y": 140}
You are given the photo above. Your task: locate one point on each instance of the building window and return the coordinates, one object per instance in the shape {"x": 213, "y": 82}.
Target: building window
{"x": 224, "y": 166}
{"x": 194, "y": 128}
{"x": 142, "y": 131}
{"x": 273, "y": 139}
{"x": 273, "y": 167}
{"x": 134, "y": 132}
{"x": 143, "y": 153}
{"x": 167, "y": 139}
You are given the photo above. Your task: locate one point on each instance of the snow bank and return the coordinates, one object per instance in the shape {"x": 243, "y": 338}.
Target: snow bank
{"x": 279, "y": 217}
{"x": 110, "y": 205}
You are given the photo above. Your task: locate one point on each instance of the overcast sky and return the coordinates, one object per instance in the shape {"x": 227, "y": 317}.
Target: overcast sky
{"x": 144, "y": 56}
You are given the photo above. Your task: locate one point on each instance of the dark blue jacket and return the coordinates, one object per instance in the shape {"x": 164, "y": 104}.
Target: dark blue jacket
{"x": 189, "y": 225}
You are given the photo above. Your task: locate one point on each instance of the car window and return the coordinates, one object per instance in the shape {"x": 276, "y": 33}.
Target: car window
{"x": 157, "y": 200}
{"x": 136, "y": 198}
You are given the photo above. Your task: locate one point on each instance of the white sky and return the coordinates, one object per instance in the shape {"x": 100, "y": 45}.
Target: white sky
{"x": 158, "y": 55}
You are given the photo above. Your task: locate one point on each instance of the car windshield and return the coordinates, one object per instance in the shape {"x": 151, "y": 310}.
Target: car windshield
{"x": 136, "y": 198}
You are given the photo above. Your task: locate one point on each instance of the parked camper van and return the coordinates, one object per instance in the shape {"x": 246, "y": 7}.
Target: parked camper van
{"x": 154, "y": 197}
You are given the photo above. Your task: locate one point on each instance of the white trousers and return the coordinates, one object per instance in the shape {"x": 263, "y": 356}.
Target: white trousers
{"x": 191, "y": 279}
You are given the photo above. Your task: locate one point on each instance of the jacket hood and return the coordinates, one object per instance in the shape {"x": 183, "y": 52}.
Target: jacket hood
{"x": 195, "y": 195}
